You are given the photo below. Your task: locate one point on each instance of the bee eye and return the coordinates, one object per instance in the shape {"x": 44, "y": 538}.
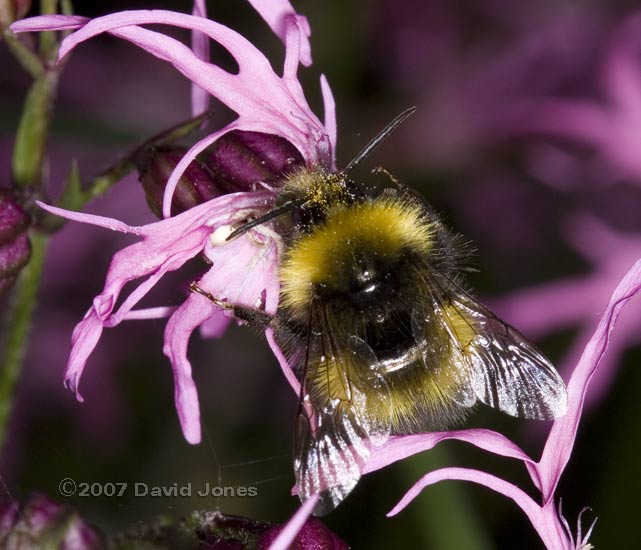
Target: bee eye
{"x": 366, "y": 281}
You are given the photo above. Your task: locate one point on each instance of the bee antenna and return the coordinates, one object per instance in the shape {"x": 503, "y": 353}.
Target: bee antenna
{"x": 288, "y": 206}
{"x": 380, "y": 137}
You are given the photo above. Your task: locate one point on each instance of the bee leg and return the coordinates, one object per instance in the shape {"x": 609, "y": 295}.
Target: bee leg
{"x": 254, "y": 317}
{"x": 380, "y": 170}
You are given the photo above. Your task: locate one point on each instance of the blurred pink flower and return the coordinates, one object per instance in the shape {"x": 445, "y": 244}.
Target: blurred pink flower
{"x": 244, "y": 270}
{"x": 608, "y": 126}
{"x": 576, "y": 301}
{"x": 468, "y": 81}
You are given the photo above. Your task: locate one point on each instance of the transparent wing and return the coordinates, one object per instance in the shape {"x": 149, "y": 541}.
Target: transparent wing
{"x": 503, "y": 369}
{"x": 342, "y": 413}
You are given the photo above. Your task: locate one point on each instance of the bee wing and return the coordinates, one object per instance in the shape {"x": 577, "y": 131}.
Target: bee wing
{"x": 504, "y": 370}
{"x": 335, "y": 425}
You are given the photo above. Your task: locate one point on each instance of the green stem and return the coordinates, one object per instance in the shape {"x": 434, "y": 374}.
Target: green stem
{"x": 21, "y": 308}
{"x": 28, "y": 60}
{"x": 31, "y": 137}
{"x": 76, "y": 194}
{"x": 48, "y": 40}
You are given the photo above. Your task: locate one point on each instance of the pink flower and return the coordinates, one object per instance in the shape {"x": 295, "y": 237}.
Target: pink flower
{"x": 243, "y": 271}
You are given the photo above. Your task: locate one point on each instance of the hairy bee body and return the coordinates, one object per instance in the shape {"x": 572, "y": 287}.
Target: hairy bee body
{"x": 386, "y": 339}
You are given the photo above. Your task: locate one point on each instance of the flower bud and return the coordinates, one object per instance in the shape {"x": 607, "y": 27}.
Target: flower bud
{"x": 242, "y": 159}
{"x": 15, "y": 248}
{"x": 194, "y": 187}
{"x": 313, "y": 536}
{"x": 43, "y": 523}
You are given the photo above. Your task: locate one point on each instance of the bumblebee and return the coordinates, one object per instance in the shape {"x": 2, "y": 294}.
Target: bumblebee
{"x": 386, "y": 338}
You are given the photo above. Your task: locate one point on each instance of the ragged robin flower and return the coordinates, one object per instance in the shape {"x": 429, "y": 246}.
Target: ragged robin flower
{"x": 274, "y": 124}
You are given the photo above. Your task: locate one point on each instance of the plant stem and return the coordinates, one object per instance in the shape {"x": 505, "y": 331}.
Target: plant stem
{"x": 31, "y": 137}
{"x": 21, "y": 307}
{"x": 28, "y": 60}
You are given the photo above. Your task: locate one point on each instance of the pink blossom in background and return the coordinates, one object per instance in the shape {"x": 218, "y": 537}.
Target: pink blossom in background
{"x": 578, "y": 301}
{"x": 608, "y": 126}
{"x": 467, "y": 83}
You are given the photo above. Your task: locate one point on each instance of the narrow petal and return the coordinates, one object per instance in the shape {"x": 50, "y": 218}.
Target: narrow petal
{"x": 101, "y": 221}
{"x": 243, "y": 272}
{"x": 166, "y": 245}
{"x": 531, "y": 508}
{"x": 285, "y": 538}
{"x": 200, "y": 47}
{"x": 184, "y": 163}
{"x": 49, "y": 23}
{"x": 161, "y": 312}
{"x": 560, "y": 442}
{"x": 275, "y": 13}
{"x": 400, "y": 447}
{"x": 83, "y": 341}
{"x": 193, "y": 312}
{"x": 329, "y": 111}
{"x": 256, "y": 93}
{"x": 544, "y": 520}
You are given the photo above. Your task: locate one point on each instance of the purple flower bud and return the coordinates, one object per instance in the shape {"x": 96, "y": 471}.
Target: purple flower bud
{"x": 43, "y": 523}
{"x": 313, "y": 536}
{"x": 241, "y": 159}
{"x": 15, "y": 248}
{"x": 194, "y": 187}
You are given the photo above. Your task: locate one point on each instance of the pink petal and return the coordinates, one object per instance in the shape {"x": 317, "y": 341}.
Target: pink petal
{"x": 329, "y": 110}
{"x": 272, "y": 110}
{"x": 83, "y": 341}
{"x": 243, "y": 272}
{"x": 246, "y": 272}
{"x": 216, "y": 325}
{"x": 275, "y": 13}
{"x": 200, "y": 47}
{"x": 150, "y": 313}
{"x": 285, "y": 538}
{"x": 166, "y": 246}
{"x": 101, "y": 221}
{"x": 185, "y": 161}
{"x": 400, "y": 447}
{"x": 49, "y": 23}
{"x": 193, "y": 312}
{"x": 544, "y": 520}
{"x": 560, "y": 443}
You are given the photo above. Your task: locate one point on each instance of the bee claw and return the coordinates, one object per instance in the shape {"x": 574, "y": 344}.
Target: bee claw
{"x": 216, "y": 301}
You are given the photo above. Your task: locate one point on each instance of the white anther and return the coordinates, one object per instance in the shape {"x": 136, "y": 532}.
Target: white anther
{"x": 219, "y": 236}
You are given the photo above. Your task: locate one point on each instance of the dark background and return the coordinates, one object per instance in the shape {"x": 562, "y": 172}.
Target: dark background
{"x": 460, "y": 63}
